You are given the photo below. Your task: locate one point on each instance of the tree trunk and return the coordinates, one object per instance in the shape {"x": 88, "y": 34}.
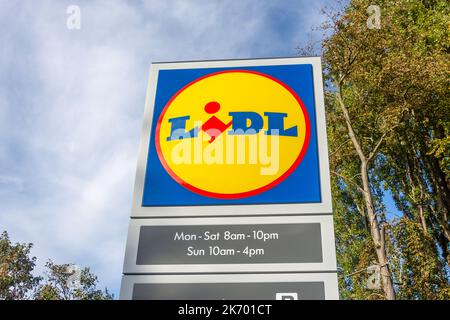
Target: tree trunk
{"x": 440, "y": 188}
{"x": 377, "y": 236}
{"x": 413, "y": 169}
{"x": 423, "y": 221}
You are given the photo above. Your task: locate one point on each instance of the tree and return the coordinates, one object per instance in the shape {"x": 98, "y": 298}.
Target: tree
{"x": 17, "y": 281}
{"x": 16, "y": 266}
{"x": 416, "y": 167}
{"x": 388, "y": 122}
{"x": 60, "y": 286}
{"x": 350, "y": 66}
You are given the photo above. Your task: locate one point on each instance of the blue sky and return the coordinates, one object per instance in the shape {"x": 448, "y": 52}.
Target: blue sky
{"x": 72, "y": 101}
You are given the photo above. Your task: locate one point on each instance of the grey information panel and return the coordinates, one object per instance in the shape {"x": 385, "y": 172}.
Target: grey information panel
{"x": 228, "y": 244}
{"x": 230, "y": 291}
{"x": 231, "y": 287}
{"x": 217, "y": 244}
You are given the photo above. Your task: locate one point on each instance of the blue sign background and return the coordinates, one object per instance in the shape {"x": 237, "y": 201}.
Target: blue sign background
{"x": 302, "y": 186}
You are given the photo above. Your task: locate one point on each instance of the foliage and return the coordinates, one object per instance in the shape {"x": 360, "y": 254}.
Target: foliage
{"x": 422, "y": 275}
{"x": 17, "y": 281}
{"x": 58, "y": 285}
{"x": 16, "y": 266}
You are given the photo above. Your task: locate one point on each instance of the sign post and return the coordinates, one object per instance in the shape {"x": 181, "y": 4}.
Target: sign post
{"x": 232, "y": 187}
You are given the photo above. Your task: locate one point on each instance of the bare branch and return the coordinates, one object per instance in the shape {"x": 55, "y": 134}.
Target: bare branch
{"x": 348, "y": 121}
{"x": 348, "y": 180}
{"x": 375, "y": 149}
{"x": 339, "y": 147}
{"x": 380, "y": 141}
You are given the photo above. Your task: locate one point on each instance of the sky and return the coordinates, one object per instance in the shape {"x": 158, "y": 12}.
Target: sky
{"x": 72, "y": 103}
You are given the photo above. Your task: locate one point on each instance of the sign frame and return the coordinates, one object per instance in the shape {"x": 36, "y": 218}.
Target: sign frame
{"x": 329, "y": 279}
{"x": 328, "y": 263}
{"x": 324, "y": 207}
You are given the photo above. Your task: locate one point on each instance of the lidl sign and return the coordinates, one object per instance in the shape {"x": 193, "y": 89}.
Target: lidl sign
{"x": 233, "y": 133}
{"x": 249, "y": 132}
{"x": 232, "y": 182}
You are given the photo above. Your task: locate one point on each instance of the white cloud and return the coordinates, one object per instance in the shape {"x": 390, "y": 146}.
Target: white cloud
{"x": 71, "y": 105}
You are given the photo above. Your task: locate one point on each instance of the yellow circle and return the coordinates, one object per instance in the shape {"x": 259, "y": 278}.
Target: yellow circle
{"x": 232, "y": 165}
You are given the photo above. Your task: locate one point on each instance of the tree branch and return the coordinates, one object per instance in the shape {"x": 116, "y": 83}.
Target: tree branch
{"x": 375, "y": 149}
{"x": 380, "y": 141}
{"x": 339, "y": 147}
{"x": 348, "y": 180}
{"x": 348, "y": 121}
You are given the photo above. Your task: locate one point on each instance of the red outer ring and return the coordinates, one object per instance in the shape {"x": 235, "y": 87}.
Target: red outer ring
{"x": 242, "y": 194}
